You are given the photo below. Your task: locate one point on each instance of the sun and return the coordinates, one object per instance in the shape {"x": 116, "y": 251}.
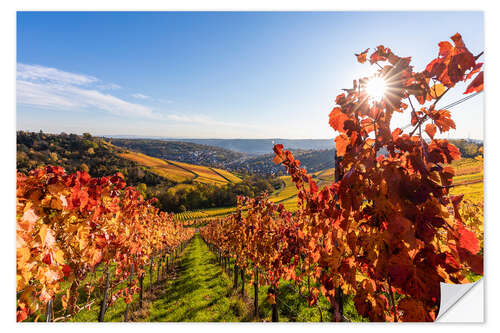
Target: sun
{"x": 376, "y": 88}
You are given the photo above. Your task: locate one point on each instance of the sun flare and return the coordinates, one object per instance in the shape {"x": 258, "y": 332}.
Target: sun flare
{"x": 376, "y": 88}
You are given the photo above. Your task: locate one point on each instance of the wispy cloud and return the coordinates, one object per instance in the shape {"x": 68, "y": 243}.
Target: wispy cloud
{"x": 140, "y": 96}
{"x": 52, "y": 88}
{"x": 48, "y": 74}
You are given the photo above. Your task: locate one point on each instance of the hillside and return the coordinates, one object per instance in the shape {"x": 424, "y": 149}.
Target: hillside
{"x": 181, "y": 172}
{"x": 74, "y": 152}
{"x": 186, "y": 152}
{"x": 234, "y": 161}
{"x": 312, "y": 160}
{"x": 178, "y": 186}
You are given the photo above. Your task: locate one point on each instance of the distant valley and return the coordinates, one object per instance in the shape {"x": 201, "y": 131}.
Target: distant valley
{"x": 248, "y": 162}
{"x": 248, "y": 146}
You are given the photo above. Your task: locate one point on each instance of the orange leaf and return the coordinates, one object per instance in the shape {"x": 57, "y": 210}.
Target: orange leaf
{"x": 430, "y": 129}
{"x": 337, "y": 119}
{"x": 277, "y": 159}
{"x": 341, "y": 143}
{"x": 362, "y": 56}
{"x": 396, "y": 133}
{"x": 442, "y": 119}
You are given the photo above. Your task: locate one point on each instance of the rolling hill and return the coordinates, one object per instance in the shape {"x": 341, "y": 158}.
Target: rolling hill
{"x": 186, "y": 152}
{"x": 219, "y": 159}
{"x": 180, "y": 172}
{"x": 179, "y": 186}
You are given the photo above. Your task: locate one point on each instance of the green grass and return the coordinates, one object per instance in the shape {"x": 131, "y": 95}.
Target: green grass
{"x": 116, "y": 311}
{"x": 203, "y": 293}
{"x": 293, "y": 307}
{"x": 200, "y": 293}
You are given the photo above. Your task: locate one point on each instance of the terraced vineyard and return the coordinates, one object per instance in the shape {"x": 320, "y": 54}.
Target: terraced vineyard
{"x": 192, "y": 215}
{"x": 226, "y": 175}
{"x": 325, "y": 176}
{"x": 180, "y": 172}
{"x": 202, "y": 174}
{"x": 160, "y": 167}
{"x": 288, "y": 191}
{"x": 466, "y": 166}
{"x": 211, "y": 212}
{"x": 469, "y": 178}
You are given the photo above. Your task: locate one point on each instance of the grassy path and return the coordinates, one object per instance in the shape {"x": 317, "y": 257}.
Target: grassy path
{"x": 201, "y": 291}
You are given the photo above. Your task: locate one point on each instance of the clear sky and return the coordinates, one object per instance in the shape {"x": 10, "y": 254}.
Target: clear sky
{"x": 217, "y": 75}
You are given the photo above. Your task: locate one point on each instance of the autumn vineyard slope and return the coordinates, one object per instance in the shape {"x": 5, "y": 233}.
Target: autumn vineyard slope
{"x": 382, "y": 234}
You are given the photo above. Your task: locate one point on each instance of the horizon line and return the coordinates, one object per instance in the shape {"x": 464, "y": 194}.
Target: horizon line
{"x": 208, "y": 138}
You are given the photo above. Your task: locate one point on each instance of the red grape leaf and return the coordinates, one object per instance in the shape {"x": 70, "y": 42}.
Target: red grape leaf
{"x": 476, "y": 85}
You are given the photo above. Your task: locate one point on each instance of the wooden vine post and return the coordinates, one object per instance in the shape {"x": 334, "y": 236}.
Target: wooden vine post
{"x": 256, "y": 293}
{"x": 151, "y": 276}
{"x": 165, "y": 264}
{"x": 242, "y": 282}
{"x": 104, "y": 302}
{"x": 158, "y": 270}
{"x": 49, "y": 313}
{"x": 141, "y": 285}
{"x": 274, "y": 305}
{"x": 338, "y": 304}
{"x": 127, "y": 308}
{"x": 235, "y": 281}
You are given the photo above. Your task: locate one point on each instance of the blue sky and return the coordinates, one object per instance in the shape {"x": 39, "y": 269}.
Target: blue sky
{"x": 217, "y": 75}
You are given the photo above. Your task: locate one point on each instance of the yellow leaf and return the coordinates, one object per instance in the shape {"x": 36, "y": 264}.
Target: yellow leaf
{"x": 437, "y": 90}
{"x": 43, "y": 232}
{"x": 60, "y": 257}
{"x": 23, "y": 255}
